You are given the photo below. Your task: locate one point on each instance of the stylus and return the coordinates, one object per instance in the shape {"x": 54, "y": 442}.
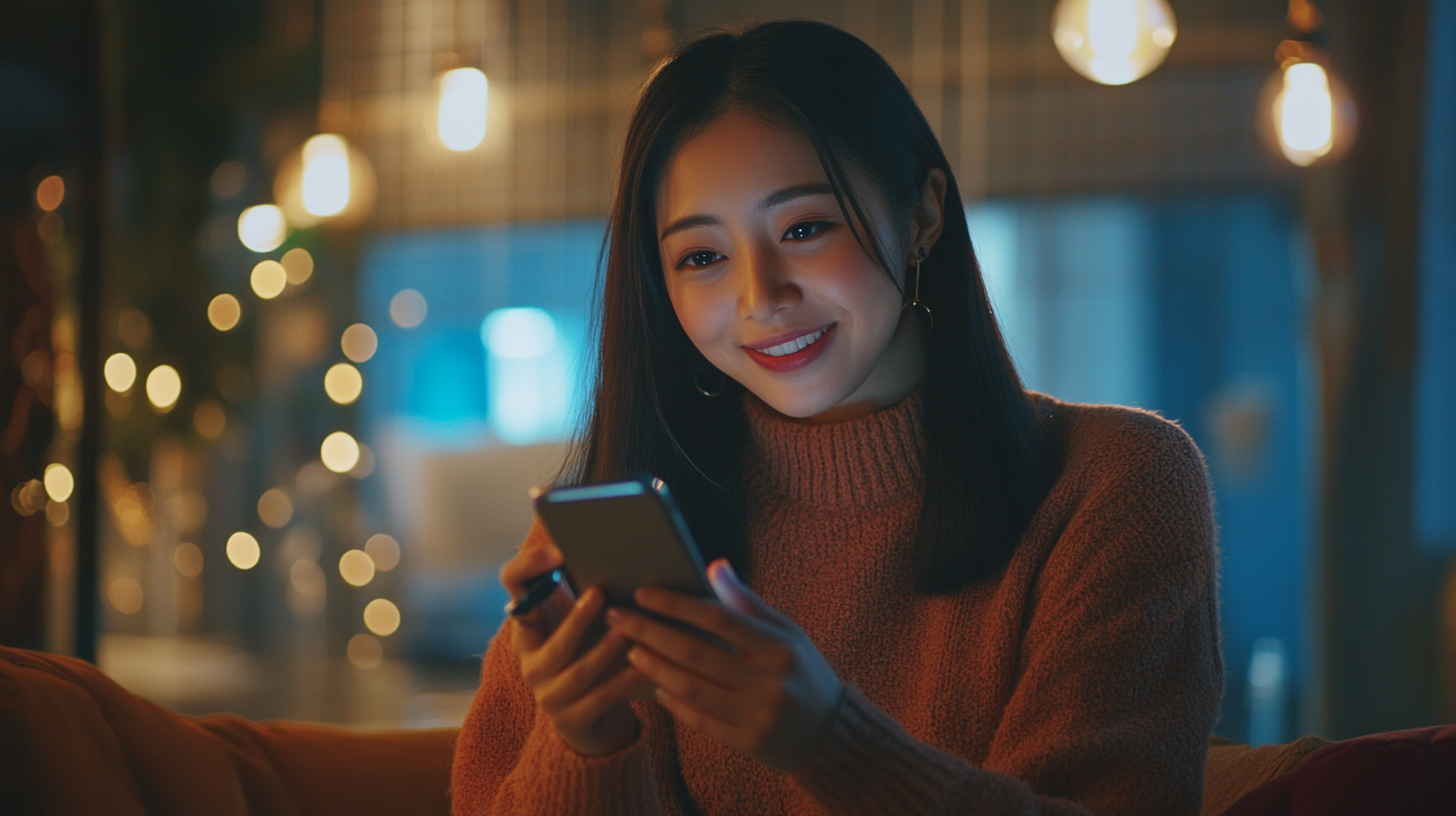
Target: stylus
{"x": 537, "y": 590}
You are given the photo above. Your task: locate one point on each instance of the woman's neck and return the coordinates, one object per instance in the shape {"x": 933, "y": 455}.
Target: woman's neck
{"x": 899, "y": 372}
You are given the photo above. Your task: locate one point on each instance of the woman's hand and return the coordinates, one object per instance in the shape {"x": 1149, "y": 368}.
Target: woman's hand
{"x": 590, "y": 713}
{"x": 774, "y": 699}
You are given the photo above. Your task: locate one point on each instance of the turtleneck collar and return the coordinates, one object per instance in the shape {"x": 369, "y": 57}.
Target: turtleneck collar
{"x": 868, "y": 462}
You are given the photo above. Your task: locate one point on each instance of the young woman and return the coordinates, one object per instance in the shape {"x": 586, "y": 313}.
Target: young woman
{"x": 946, "y": 594}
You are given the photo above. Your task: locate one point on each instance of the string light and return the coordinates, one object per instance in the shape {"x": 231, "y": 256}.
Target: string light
{"x": 164, "y": 386}
{"x": 243, "y": 551}
{"x": 120, "y": 372}
{"x": 262, "y": 228}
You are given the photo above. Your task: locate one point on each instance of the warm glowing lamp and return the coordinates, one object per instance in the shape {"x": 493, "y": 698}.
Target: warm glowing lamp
{"x": 461, "y": 114}
{"x": 325, "y": 180}
{"x": 1308, "y": 114}
{"x": 1114, "y": 42}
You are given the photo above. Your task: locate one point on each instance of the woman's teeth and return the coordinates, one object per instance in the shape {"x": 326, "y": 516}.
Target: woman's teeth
{"x": 795, "y": 345}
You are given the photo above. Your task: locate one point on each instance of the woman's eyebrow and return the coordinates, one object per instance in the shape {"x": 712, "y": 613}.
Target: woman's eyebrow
{"x": 797, "y": 191}
{"x": 769, "y": 202}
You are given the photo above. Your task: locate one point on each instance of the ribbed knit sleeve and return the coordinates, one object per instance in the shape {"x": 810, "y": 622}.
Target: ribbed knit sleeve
{"x": 510, "y": 760}
{"x": 1120, "y": 673}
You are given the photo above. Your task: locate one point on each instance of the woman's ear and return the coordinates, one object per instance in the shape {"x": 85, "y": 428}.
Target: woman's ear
{"x": 929, "y": 215}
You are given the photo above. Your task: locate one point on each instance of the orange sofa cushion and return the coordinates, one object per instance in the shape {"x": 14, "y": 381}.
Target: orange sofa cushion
{"x": 74, "y": 742}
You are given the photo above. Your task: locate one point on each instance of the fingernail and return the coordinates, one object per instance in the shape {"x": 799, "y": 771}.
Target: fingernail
{"x": 615, "y": 617}
{"x": 586, "y": 597}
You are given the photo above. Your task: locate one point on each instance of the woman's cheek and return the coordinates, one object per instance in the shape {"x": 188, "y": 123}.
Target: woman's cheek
{"x": 706, "y": 316}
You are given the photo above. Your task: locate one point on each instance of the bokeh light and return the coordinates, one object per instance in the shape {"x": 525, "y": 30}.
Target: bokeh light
{"x": 365, "y": 651}
{"x": 275, "y": 508}
{"x": 269, "y": 279}
{"x": 359, "y": 342}
{"x": 343, "y": 383}
{"x": 356, "y": 568}
{"x": 298, "y": 264}
{"x": 120, "y": 372}
{"x": 1113, "y": 42}
{"x": 518, "y": 333}
{"x": 188, "y": 559}
{"x": 50, "y": 193}
{"x": 243, "y": 551}
{"x": 407, "y": 308}
{"x": 384, "y": 550}
{"x": 164, "y": 386}
{"x": 125, "y": 595}
{"x": 59, "y": 482}
{"x": 262, "y": 228}
{"x": 325, "y": 175}
{"x": 224, "y": 312}
{"x": 464, "y": 93}
{"x": 382, "y": 617}
{"x": 57, "y": 513}
{"x": 365, "y": 465}
{"x": 209, "y": 419}
{"x": 339, "y": 452}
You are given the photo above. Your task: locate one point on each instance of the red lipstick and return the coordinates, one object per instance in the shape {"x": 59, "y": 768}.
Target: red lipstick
{"x": 795, "y": 360}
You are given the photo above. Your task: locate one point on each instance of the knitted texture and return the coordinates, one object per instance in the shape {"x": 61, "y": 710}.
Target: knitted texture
{"x": 1084, "y": 678}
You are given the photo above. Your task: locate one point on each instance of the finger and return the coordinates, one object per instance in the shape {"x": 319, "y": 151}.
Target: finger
{"x": 743, "y": 631}
{"x": 732, "y": 591}
{"x": 574, "y": 680}
{"x": 534, "y": 627}
{"x": 527, "y": 564}
{"x": 593, "y": 704}
{"x": 682, "y": 648}
{"x": 560, "y": 648}
{"x": 699, "y": 721}
{"x": 693, "y": 689}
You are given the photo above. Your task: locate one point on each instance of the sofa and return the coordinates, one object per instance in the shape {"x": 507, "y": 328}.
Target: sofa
{"x": 74, "y": 742}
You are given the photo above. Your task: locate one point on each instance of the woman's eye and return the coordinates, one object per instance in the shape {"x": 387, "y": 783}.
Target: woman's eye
{"x": 807, "y": 229}
{"x": 700, "y": 258}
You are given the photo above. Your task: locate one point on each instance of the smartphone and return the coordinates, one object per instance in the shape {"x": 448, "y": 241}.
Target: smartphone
{"x": 623, "y": 535}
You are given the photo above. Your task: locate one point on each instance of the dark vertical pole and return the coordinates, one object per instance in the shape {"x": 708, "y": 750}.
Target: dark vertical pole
{"x": 1379, "y": 591}
{"x": 91, "y": 202}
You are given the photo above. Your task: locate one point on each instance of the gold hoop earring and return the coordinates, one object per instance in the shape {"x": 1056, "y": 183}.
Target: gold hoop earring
{"x": 711, "y": 392}
{"x": 923, "y": 315}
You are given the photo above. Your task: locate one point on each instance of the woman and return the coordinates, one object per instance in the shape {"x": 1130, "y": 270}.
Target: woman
{"x": 945, "y": 594}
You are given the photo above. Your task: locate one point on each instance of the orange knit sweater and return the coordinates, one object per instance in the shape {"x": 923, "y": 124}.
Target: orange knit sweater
{"x": 1085, "y": 677}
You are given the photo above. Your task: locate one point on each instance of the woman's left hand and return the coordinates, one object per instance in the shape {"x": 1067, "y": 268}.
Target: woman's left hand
{"x": 774, "y": 699}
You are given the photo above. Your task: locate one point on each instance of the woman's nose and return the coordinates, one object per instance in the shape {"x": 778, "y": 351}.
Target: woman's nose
{"x": 764, "y": 287}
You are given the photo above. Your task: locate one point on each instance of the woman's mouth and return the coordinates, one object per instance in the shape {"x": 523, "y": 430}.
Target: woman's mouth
{"x": 793, "y": 352}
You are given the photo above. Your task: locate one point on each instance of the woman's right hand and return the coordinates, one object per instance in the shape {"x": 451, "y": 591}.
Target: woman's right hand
{"x": 589, "y": 712}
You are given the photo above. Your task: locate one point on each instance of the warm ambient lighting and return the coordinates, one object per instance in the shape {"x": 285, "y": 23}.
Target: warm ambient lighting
{"x": 50, "y": 193}
{"x": 359, "y": 342}
{"x": 382, "y": 617}
{"x": 298, "y": 264}
{"x": 1312, "y": 115}
{"x": 383, "y": 550}
{"x": 209, "y": 419}
{"x": 1114, "y": 42}
{"x": 125, "y": 595}
{"x": 268, "y": 279}
{"x": 188, "y": 559}
{"x": 462, "y": 111}
{"x": 243, "y": 551}
{"x": 365, "y": 651}
{"x": 262, "y": 228}
{"x": 59, "y": 482}
{"x": 356, "y": 568}
{"x": 343, "y": 383}
{"x": 224, "y": 312}
{"x": 275, "y": 508}
{"x": 164, "y": 386}
{"x": 120, "y": 372}
{"x": 339, "y": 452}
{"x": 326, "y": 184}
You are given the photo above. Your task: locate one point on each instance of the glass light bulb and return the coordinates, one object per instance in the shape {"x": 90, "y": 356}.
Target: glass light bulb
{"x": 325, "y": 175}
{"x": 463, "y": 96}
{"x": 1114, "y": 42}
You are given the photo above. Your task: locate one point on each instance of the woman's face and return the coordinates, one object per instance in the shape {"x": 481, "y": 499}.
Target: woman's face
{"x": 770, "y": 284}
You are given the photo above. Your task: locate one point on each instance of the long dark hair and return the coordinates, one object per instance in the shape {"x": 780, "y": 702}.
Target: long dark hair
{"x": 985, "y": 465}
